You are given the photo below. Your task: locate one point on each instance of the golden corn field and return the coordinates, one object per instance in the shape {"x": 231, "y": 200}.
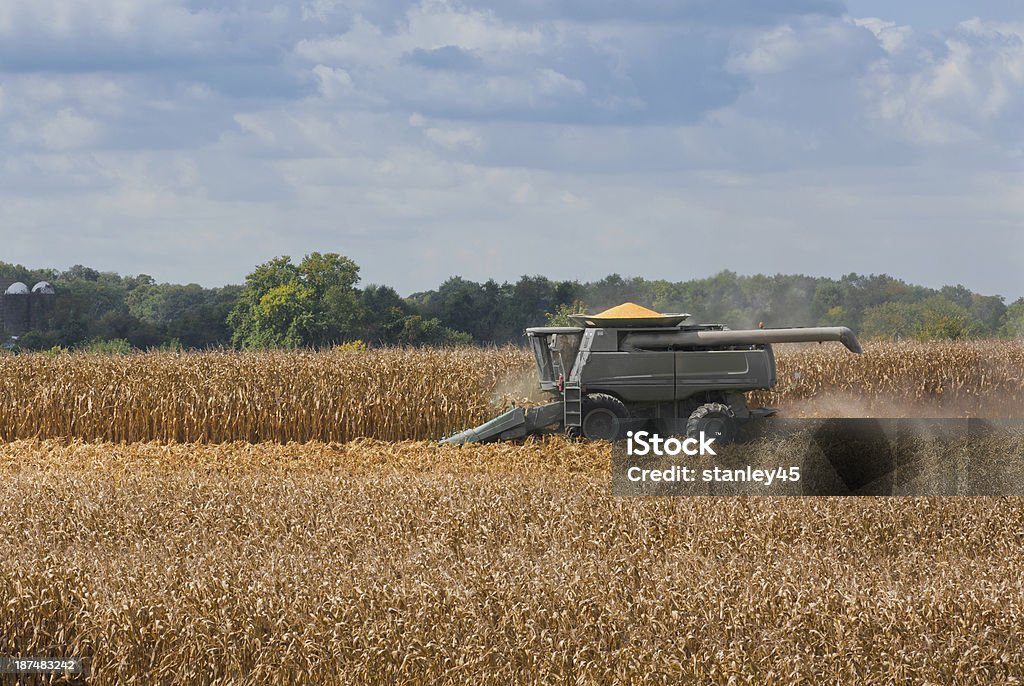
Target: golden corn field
{"x": 413, "y": 563}
{"x": 399, "y": 394}
{"x": 391, "y": 394}
{"x": 957, "y": 378}
{"x": 287, "y": 518}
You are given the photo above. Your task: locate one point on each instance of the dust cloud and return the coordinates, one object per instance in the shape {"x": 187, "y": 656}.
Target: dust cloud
{"x": 847, "y": 405}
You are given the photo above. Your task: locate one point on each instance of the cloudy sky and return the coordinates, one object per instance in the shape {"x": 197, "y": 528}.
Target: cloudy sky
{"x": 572, "y": 138}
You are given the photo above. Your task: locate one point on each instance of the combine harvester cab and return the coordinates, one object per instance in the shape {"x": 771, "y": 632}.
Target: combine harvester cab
{"x": 630, "y": 366}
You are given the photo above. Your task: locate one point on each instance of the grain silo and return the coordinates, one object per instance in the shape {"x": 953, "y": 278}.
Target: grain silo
{"x": 16, "y": 308}
{"x": 40, "y": 302}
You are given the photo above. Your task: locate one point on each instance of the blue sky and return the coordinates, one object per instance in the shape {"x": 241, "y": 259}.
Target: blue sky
{"x": 572, "y": 138}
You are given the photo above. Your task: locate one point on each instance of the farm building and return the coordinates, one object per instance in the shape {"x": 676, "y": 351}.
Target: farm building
{"x": 21, "y": 307}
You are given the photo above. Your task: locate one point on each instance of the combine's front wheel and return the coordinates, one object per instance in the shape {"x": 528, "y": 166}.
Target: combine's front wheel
{"x": 601, "y": 416}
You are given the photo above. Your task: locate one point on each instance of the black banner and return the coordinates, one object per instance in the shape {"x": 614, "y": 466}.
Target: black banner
{"x": 827, "y": 457}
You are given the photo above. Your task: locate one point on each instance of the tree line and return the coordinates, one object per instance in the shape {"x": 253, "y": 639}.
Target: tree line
{"x": 318, "y": 302}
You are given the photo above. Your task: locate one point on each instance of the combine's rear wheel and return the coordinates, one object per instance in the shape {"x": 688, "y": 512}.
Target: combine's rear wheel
{"x": 716, "y": 421}
{"x": 601, "y": 415}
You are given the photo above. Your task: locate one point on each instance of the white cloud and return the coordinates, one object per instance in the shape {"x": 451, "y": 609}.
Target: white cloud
{"x": 428, "y": 25}
{"x": 153, "y": 23}
{"x": 434, "y": 23}
{"x": 454, "y": 138}
{"x": 772, "y": 51}
{"x": 254, "y": 124}
{"x": 256, "y": 128}
{"x": 513, "y": 72}
{"x": 830, "y": 46}
{"x": 318, "y": 9}
{"x": 66, "y": 130}
{"x": 891, "y": 36}
{"x": 363, "y": 43}
{"x": 551, "y": 82}
{"x": 333, "y": 82}
{"x": 972, "y": 90}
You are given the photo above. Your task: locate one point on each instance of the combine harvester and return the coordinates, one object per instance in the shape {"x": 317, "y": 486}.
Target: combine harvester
{"x": 630, "y": 365}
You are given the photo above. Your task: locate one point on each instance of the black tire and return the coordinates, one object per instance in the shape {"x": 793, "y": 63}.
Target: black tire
{"x": 716, "y": 420}
{"x": 601, "y": 417}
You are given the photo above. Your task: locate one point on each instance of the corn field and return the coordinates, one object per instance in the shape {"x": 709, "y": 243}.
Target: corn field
{"x": 390, "y": 394}
{"x": 400, "y": 394}
{"x": 413, "y": 563}
{"x": 958, "y": 378}
{"x": 228, "y": 518}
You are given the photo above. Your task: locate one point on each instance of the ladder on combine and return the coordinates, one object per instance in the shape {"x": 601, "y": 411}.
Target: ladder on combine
{"x": 573, "y": 396}
{"x": 572, "y": 393}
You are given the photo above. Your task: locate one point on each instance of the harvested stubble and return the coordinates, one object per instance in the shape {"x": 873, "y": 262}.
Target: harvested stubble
{"x": 416, "y": 563}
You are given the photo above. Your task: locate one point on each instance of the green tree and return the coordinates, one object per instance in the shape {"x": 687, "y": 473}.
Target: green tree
{"x": 988, "y": 312}
{"x": 891, "y": 320}
{"x": 958, "y": 294}
{"x": 384, "y": 313}
{"x": 1013, "y": 320}
{"x": 834, "y": 316}
{"x": 109, "y": 346}
{"x": 88, "y": 305}
{"x": 389, "y": 320}
{"x": 532, "y": 297}
{"x": 828, "y": 295}
{"x": 560, "y": 317}
{"x": 162, "y": 303}
{"x": 934, "y": 318}
{"x": 314, "y": 303}
{"x": 478, "y": 309}
{"x": 204, "y": 326}
{"x": 941, "y": 318}
{"x": 194, "y": 316}
{"x": 614, "y": 290}
{"x": 415, "y": 330}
